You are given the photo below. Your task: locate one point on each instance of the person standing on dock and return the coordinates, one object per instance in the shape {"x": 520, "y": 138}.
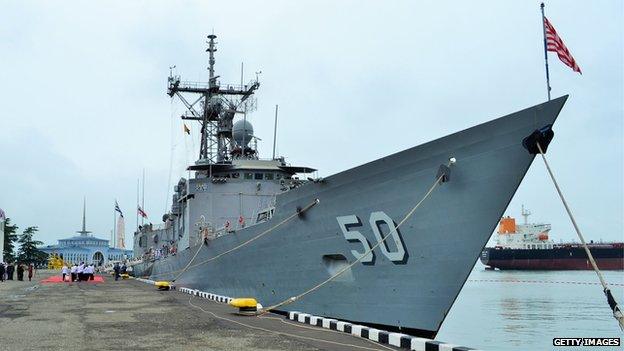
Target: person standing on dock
{"x": 89, "y": 272}
{"x": 9, "y": 271}
{"x": 80, "y": 271}
{"x": 117, "y": 269}
{"x": 20, "y": 272}
{"x": 72, "y": 272}
{"x": 31, "y": 271}
{"x": 64, "y": 271}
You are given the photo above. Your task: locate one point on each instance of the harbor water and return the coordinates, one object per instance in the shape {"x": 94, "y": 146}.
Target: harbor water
{"x": 521, "y": 310}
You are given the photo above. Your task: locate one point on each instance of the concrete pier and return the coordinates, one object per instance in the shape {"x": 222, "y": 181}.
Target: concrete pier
{"x": 127, "y": 314}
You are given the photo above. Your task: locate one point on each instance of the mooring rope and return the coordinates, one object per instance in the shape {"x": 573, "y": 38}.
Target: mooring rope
{"x": 351, "y": 346}
{"x": 365, "y": 254}
{"x": 617, "y": 313}
{"x": 190, "y": 265}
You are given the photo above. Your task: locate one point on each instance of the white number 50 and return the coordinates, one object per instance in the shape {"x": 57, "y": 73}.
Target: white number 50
{"x": 376, "y": 219}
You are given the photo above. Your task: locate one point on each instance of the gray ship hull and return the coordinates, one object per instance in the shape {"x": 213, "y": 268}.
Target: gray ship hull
{"x": 442, "y": 240}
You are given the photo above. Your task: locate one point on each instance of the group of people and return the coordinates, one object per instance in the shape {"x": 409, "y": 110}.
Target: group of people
{"x": 7, "y": 269}
{"x": 162, "y": 252}
{"x": 78, "y": 273}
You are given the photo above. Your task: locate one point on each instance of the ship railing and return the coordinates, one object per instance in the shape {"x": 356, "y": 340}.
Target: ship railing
{"x": 194, "y": 85}
{"x": 206, "y": 85}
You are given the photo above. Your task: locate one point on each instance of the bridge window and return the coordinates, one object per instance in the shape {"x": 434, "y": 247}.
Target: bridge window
{"x": 258, "y": 176}
{"x": 248, "y": 175}
{"x": 268, "y": 176}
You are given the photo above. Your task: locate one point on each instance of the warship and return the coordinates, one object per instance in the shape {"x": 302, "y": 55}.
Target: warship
{"x": 243, "y": 226}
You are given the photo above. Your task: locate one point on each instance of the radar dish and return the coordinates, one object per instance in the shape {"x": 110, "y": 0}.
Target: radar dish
{"x": 242, "y": 132}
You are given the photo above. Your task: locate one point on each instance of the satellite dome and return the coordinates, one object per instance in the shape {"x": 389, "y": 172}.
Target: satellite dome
{"x": 242, "y": 131}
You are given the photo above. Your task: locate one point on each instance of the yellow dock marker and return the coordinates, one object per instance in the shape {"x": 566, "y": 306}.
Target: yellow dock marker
{"x": 245, "y": 305}
{"x": 162, "y": 285}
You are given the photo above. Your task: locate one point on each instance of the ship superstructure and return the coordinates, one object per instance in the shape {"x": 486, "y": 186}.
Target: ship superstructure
{"x": 232, "y": 187}
{"x": 243, "y": 226}
{"x": 523, "y": 236}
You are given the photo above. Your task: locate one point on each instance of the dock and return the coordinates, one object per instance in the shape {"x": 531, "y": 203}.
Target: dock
{"x": 128, "y": 314}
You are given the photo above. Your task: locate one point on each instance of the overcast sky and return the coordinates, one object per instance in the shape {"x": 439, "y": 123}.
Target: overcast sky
{"x": 84, "y": 104}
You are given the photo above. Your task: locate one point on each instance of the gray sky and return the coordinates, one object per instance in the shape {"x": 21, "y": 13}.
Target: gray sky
{"x": 84, "y": 108}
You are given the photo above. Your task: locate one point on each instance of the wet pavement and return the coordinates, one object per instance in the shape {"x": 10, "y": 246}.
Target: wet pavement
{"x": 128, "y": 314}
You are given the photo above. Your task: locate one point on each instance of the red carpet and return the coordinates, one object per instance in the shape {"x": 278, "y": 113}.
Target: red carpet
{"x": 59, "y": 279}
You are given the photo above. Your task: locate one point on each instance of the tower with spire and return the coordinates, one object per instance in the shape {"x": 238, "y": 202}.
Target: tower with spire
{"x": 86, "y": 247}
{"x": 84, "y": 231}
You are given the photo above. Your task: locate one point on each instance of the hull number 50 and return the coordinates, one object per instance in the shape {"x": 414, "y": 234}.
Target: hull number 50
{"x": 376, "y": 220}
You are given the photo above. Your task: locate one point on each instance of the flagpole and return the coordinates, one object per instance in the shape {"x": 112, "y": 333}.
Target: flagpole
{"x": 114, "y": 227}
{"x": 545, "y": 51}
{"x": 137, "y": 207}
{"x": 143, "y": 198}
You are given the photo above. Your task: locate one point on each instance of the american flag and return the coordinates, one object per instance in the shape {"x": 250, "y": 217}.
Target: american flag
{"x": 141, "y": 212}
{"x": 555, "y": 44}
{"x": 118, "y": 209}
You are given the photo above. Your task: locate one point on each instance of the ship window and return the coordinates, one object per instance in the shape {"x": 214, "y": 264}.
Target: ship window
{"x": 235, "y": 175}
{"x": 278, "y": 176}
{"x": 258, "y": 176}
{"x": 268, "y": 176}
{"x": 248, "y": 175}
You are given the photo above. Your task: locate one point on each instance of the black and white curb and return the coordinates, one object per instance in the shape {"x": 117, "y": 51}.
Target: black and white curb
{"x": 380, "y": 336}
{"x": 205, "y": 295}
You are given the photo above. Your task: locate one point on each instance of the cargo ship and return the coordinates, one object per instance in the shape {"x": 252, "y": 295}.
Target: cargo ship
{"x": 528, "y": 247}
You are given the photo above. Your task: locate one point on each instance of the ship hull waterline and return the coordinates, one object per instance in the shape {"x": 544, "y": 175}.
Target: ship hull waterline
{"x": 553, "y": 259}
{"x": 442, "y": 240}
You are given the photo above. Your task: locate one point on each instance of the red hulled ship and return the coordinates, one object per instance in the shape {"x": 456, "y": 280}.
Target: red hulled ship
{"x": 528, "y": 247}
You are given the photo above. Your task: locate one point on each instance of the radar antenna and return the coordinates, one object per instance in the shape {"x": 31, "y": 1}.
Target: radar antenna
{"x": 213, "y": 108}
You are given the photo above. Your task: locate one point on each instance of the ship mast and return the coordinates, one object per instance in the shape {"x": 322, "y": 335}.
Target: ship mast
{"x": 525, "y": 214}
{"x": 213, "y": 107}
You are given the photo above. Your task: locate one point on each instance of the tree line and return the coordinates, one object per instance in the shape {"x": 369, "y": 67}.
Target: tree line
{"x": 27, "y": 251}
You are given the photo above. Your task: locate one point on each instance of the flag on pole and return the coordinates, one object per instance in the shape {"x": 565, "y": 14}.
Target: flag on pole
{"x": 141, "y": 212}
{"x": 186, "y": 129}
{"x": 118, "y": 209}
{"x": 2, "y": 215}
{"x": 555, "y": 44}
